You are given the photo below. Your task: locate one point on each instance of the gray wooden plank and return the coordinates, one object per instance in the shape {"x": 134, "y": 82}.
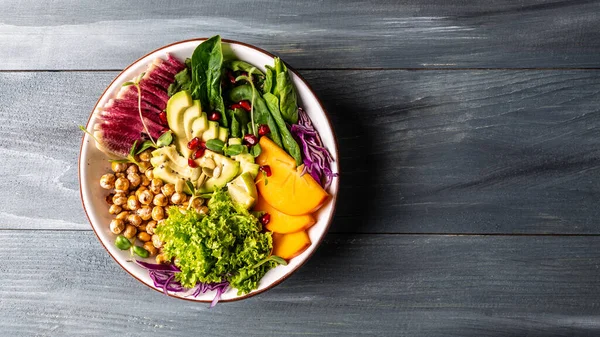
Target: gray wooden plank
{"x": 67, "y": 34}
{"x": 64, "y": 284}
{"x": 421, "y": 151}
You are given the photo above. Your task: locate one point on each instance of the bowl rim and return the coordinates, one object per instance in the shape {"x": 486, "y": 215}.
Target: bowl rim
{"x": 333, "y": 200}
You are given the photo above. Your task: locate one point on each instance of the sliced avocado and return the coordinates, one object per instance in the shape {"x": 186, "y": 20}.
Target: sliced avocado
{"x": 176, "y": 107}
{"x": 229, "y": 170}
{"x": 189, "y": 116}
{"x": 199, "y": 126}
{"x": 243, "y": 190}
{"x": 212, "y": 132}
{"x": 235, "y": 141}
{"x": 170, "y": 166}
{"x": 240, "y": 196}
{"x": 247, "y": 164}
{"x": 223, "y": 134}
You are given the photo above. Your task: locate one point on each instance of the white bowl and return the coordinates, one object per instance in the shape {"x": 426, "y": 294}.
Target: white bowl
{"x": 93, "y": 164}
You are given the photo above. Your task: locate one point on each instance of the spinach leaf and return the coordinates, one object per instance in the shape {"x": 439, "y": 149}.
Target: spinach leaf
{"x": 262, "y": 115}
{"x": 239, "y": 120}
{"x": 182, "y": 81}
{"x": 269, "y": 79}
{"x": 289, "y": 143}
{"x": 237, "y": 65}
{"x": 284, "y": 90}
{"x": 207, "y": 60}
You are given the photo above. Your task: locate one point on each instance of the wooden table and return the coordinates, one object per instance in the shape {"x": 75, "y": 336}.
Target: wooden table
{"x": 470, "y": 150}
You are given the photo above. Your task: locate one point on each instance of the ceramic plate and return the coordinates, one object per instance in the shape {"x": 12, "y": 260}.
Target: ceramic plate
{"x": 93, "y": 164}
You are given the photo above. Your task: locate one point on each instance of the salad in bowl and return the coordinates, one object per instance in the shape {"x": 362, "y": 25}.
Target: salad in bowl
{"x": 208, "y": 170}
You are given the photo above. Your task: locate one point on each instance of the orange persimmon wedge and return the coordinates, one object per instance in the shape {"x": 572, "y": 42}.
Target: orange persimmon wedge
{"x": 282, "y": 223}
{"x": 285, "y": 189}
{"x": 290, "y": 245}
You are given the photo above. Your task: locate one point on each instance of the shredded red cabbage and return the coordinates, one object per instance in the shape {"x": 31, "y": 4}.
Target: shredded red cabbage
{"x": 317, "y": 159}
{"x": 163, "y": 276}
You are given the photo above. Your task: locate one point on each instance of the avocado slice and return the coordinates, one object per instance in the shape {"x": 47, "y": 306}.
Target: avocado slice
{"x": 170, "y": 166}
{"x": 243, "y": 190}
{"x": 247, "y": 164}
{"x": 223, "y": 134}
{"x": 229, "y": 170}
{"x": 176, "y": 108}
{"x": 212, "y": 132}
{"x": 235, "y": 141}
{"x": 189, "y": 116}
{"x": 199, "y": 125}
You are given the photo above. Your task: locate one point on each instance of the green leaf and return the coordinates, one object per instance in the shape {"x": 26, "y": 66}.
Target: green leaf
{"x": 256, "y": 150}
{"x": 82, "y": 128}
{"x": 165, "y": 139}
{"x": 273, "y": 258}
{"x": 215, "y": 145}
{"x": 289, "y": 143}
{"x": 286, "y": 93}
{"x": 126, "y": 84}
{"x": 233, "y": 150}
{"x": 191, "y": 187}
{"x": 237, "y": 65}
{"x": 207, "y": 61}
{"x": 269, "y": 79}
{"x": 132, "y": 150}
{"x": 145, "y": 145}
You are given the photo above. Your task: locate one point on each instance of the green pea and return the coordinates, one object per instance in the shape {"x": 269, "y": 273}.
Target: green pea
{"x": 141, "y": 252}
{"x": 122, "y": 242}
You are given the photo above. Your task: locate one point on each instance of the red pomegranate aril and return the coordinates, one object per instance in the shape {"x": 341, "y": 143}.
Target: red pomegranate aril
{"x": 163, "y": 117}
{"x": 192, "y": 163}
{"x": 266, "y": 169}
{"x": 194, "y": 143}
{"x": 265, "y": 219}
{"x": 198, "y": 153}
{"x": 214, "y": 116}
{"x": 235, "y": 106}
{"x": 245, "y": 105}
{"x": 263, "y": 129}
{"x": 250, "y": 140}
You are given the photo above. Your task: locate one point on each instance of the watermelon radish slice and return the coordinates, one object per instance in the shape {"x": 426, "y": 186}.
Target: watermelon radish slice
{"x": 118, "y": 123}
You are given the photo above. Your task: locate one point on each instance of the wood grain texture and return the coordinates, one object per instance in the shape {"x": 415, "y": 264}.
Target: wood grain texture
{"x": 375, "y": 285}
{"x": 421, "y": 151}
{"x": 332, "y": 34}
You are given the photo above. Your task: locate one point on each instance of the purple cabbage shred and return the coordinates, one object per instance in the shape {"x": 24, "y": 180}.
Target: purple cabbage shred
{"x": 317, "y": 159}
{"x": 163, "y": 276}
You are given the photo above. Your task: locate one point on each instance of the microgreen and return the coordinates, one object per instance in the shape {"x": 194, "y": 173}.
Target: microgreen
{"x": 273, "y": 258}
{"x": 248, "y": 78}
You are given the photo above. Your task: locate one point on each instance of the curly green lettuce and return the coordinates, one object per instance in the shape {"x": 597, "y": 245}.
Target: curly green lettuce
{"x": 227, "y": 244}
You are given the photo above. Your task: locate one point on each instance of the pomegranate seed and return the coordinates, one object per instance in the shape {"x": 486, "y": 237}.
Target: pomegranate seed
{"x": 235, "y": 106}
{"x": 163, "y": 117}
{"x": 192, "y": 163}
{"x": 214, "y": 116}
{"x": 266, "y": 169}
{"x": 265, "y": 219}
{"x": 194, "y": 143}
{"x": 198, "y": 153}
{"x": 263, "y": 129}
{"x": 245, "y": 105}
{"x": 250, "y": 140}
{"x": 231, "y": 78}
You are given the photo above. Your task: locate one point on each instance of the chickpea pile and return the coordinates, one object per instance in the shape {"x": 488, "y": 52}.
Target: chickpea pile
{"x": 140, "y": 201}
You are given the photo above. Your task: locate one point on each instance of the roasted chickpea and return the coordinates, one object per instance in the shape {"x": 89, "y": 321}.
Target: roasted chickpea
{"x": 150, "y": 248}
{"x": 134, "y": 220}
{"x": 168, "y": 190}
{"x": 145, "y": 212}
{"x": 161, "y": 258}
{"x": 145, "y": 166}
{"x": 150, "y": 226}
{"x": 146, "y": 155}
{"x": 139, "y": 191}
{"x": 118, "y": 167}
{"x": 134, "y": 180}
{"x": 146, "y": 197}
{"x": 107, "y": 181}
{"x": 155, "y": 185}
{"x": 178, "y": 198}
{"x": 158, "y": 213}
{"x": 203, "y": 210}
{"x": 143, "y": 236}
{"x": 185, "y": 205}
{"x": 120, "y": 175}
{"x": 160, "y": 200}
{"x": 130, "y": 231}
{"x": 109, "y": 198}
{"x": 132, "y": 203}
{"x": 122, "y": 216}
{"x": 115, "y": 209}
{"x": 120, "y": 199}
{"x": 142, "y": 227}
{"x": 197, "y": 202}
{"x": 145, "y": 181}
{"x": 149, "y": 174}
{"x": 122, "y": 184}
{"x": 117, "y": 226}
{"x": 156, "y": 241}
{"x": 132, "y": 169}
